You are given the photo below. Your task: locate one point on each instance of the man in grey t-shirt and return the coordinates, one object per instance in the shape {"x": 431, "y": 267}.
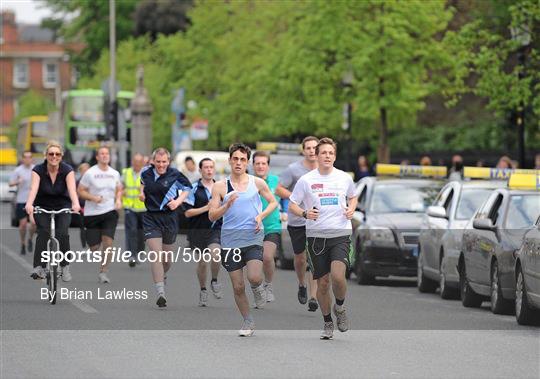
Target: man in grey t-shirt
{"x": 297, "y": 225}
{"x": 22, "y": 177}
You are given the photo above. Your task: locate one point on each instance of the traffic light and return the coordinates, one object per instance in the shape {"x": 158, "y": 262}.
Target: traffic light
{"x": 113, "y": 119}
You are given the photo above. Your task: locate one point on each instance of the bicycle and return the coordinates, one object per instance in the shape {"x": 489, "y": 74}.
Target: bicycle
{"x": 51, "y": 271}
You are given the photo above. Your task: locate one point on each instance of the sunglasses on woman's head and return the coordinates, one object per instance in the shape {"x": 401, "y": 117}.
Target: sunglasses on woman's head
{"x": 54, "y": 154}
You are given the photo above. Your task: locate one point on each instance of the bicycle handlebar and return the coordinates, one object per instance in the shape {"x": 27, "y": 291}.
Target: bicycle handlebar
{"x": 41, "y": 210}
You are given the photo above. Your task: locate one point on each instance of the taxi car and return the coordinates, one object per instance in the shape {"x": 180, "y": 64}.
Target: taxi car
{"x": 490, "y": 240}
{"x": 527, "y": 274}
{"x": 442, "y": 228}
{"x": 387, "y": 222}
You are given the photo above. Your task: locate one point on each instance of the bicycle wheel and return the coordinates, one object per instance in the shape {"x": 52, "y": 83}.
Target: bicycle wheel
{"x": 52, "y": 281}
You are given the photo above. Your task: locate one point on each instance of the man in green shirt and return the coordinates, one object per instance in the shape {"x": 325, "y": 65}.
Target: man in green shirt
{"x": 272, "y": 223}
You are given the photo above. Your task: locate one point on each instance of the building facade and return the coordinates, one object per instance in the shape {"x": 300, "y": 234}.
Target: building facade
{"x": 31, "y": 59}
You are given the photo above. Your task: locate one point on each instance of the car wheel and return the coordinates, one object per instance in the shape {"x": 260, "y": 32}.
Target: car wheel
{"x": 285, "y": 264}
{"x": 446, "y": 291}
{"x": 469, "y": 298}
{"x": 525, "y": 314}
{"x": 499, "y": 305}
{"x": 424, "y": 284}
{"x": 362, "y": 277}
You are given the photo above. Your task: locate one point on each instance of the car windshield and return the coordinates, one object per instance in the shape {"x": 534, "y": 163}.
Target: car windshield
{"x": 4, "y": 176}
{"x": 523, "y": 211}
{"x": 470, "y": 201}
{"x": 400, "y": 198}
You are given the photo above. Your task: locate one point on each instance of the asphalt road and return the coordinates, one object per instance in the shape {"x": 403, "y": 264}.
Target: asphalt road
{"x": 396, "y": 332}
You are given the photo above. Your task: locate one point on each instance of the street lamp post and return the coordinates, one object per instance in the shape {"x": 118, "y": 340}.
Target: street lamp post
{"x": 523, "y": 37}
{"x": 347, "y": 84}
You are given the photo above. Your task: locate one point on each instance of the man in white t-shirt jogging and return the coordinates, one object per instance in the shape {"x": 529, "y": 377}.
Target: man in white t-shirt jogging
{"x": 22, "y": 177}
{"x": 102, "y": 189}
{"x": 296, "y": 226}
{"x": 327, "y": 197}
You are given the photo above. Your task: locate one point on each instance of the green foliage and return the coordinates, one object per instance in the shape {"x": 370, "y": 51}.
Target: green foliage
{"x": 154, "y": 17}
{"x": 266, "y": 69}
{"x": 89, "y": 23}
{"x": 493, "y": 58}
{"x": 31, "y": 103}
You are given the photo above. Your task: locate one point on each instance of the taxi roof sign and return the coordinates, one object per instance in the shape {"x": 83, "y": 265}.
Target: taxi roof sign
{"x": 525, "y": 181}
{"x": 274, "y": 147}
{"x": 410, "y": 170}
{"x": 494, "y": 173}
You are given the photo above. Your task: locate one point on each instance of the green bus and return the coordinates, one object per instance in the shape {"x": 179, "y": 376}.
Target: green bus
{"x": 83, "y": 121}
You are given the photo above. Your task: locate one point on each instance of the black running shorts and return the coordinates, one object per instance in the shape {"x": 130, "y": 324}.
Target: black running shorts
{"x": 100, "y": 225}
{"x": 323, "y": 251}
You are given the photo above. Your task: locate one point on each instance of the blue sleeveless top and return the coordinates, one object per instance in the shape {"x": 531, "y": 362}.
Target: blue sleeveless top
{"x": 238, "y": 229}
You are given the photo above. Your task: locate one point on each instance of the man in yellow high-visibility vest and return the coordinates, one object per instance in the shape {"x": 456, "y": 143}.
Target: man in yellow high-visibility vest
{"x": 134, "y": 208}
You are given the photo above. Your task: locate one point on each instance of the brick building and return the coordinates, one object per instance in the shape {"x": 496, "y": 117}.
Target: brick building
{"x": 30, "y": 58}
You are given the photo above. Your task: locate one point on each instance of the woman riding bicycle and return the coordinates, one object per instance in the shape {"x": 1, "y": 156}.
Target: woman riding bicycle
{"x": 52, "y": 188}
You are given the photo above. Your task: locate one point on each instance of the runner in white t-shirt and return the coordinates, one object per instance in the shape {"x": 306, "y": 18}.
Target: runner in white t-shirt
{"x": 100, "y": 186}
{"x": 22, "y": 177}
{"x": 326, "y": 198}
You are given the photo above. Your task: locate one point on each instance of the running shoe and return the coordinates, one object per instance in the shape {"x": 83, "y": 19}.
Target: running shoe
{"x": 103, "y": 278}
{"x": 247, "y": 329}
{"x": 132, "y": 262}
{"x": 269, "y": 293}
{"x": 38, "y": 273}
{"x": 203, "y": 298}
{"x": 161, "y": 301}
{"x": 260, "y": 296}
{"x": 342, "y": 320}
{"x": 23, "y": 250}
{"x": 328, "y": 331}
{"x": 313, "y": 305}
{"x": 66, "y": 275}
{"x": 302, "y": 294}
{"x": 216, "y": 290}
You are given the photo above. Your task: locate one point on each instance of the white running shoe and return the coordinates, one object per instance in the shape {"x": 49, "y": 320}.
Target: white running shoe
{"x": 328, "y": 331}
{"x": 103, "y": 278}
{"x": 66, "y": 275}
{"x": 269, "y": 293}
{"x": 38, "y": 273}
{"x": 203, "y": 298}
{"x": 247, "y": 329}
{"x": 342, "y": 319}
{"x": 216, "y": 290}
{"x": 260, "y": 296}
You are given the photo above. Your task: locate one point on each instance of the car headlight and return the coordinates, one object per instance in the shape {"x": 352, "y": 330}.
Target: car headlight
{"x": 381, "y": 234}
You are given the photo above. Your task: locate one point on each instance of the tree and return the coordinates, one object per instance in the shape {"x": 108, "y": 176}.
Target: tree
{"x": 506, "y": 73}
{"x": 88, "y": 22}
{"x": 31, "y": 103}
{"x": 166, "y": 17}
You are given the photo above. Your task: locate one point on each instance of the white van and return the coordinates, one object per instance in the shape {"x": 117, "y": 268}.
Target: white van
{"x": 221, "y": 158}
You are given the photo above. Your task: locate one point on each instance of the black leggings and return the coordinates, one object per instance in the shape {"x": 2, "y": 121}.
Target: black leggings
{"x": 43, "y": 223}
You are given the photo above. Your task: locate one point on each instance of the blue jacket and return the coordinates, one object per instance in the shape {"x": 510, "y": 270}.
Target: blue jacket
{"x": 160, "y": 189}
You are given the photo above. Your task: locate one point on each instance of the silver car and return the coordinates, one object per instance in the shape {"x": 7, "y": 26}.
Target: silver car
{"x": 441, "y": 232}
{"x": 527, "y": 304}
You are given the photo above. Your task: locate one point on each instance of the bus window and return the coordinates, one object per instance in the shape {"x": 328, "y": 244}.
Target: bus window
{"x": 87, "y": 109}
{"x": 40, "y": 129}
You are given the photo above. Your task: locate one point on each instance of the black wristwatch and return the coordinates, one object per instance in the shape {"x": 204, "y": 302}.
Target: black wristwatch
{"x": 304, "y": 214}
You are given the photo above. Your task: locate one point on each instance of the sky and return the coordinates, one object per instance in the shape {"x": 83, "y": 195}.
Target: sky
{"x": 26, "y": 11}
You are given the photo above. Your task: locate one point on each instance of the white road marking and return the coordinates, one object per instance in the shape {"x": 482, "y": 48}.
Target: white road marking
{"x": 79, "y": 304}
